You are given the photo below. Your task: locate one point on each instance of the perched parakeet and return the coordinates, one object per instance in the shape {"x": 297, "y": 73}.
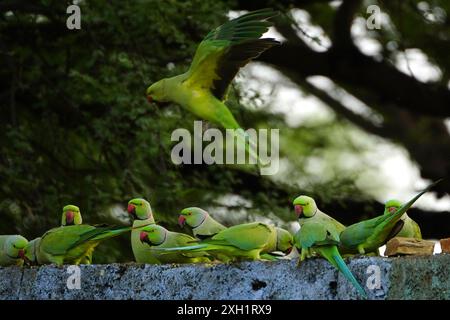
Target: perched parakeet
{"x": 369, "y": 235}
{"x": 204, "y": 227}
{"x": 202, "y": 224}
{"x": 157, "y": 236}
{"x": 306, "y": 206}
{"x": 71, "y": 216}
{"x": 142, "y": 215}
{"x": 410, "y": 228}
{"x": 12, "y": 250}
{"x": 321, "y": 236}
{"x": 243, "y": 242}
{"x": 69, "y": 244}
{"x": 203, "y": 88}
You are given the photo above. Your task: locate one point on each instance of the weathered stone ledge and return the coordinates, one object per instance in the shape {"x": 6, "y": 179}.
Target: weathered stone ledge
{"x": 418, "y": 277}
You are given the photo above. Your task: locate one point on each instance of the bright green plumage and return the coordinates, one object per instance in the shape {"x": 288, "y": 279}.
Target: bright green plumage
{"x": 12, "y": 250}
{"x": 369, "y": 235}
{"x": 141, "y": 215}
{"x": 319, "y": 233}
{"x": 306, "y": 207}
{"x": 203, "y": 88}
{"x": 243, "y": 242}
{"x": 322, "y": 237}
{"x": 69, "y": 244}
{"x": 203, "y": 225}
{"x": 157, "y": 237}
{"x": 72, "y": 216}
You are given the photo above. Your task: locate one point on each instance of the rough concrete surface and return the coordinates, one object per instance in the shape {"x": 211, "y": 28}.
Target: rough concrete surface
{"x": 415, "y": 277}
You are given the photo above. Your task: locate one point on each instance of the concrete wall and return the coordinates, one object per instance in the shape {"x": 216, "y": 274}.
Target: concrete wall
{"x": 400, "y": 278}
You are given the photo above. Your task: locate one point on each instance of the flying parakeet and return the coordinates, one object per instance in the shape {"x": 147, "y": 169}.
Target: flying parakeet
{"x": 369, "y": 235}
{"x": 69, "y": 244}
{"x": 203, "y": 88}
{"x": 243, "y": 242}
{"x": 202, "y": 224}
{"x": 410, "y": 228}
{"x": 71, "y": 216}
{"x": 142, "y": 215}
{"x": 157, "y": 236}
{"x": 12, "y": 250}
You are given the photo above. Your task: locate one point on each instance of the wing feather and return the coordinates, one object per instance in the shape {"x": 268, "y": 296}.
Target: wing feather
{"x": 227, "y": 48}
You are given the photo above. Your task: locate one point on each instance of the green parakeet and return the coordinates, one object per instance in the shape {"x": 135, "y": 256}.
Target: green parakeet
{"x": 204, "y": 227}
{"x": 243, "y": 242}
{"x": 71, "y": 216}
{"x": 12, "y": 250}
{"x": 203, "y": 88}
{"x": 323, "y": 238}
{"x": 142, "y": 215}
{"x": 157, "y": 236}
{"x": 202, "y": 224}
{"x": 305, "y": 205}
{"x": 410, "y": 228}
{"x": 319, "y": 234}
{"x": 69, "y": 244}
{"x": 369, "y": 235}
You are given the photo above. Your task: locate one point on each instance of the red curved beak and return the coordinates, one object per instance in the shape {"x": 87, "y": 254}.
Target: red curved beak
{"x": 298, "y": 210}
{"x": 181, "y": 221}
{"x": 131, "y": 209}
{"x": 69, "y": 217}
{"x": 392, "y": 209}
{"x": 143, "y": 236}
{"x": 149, "y": 99}
{"x": 22, "y": 254}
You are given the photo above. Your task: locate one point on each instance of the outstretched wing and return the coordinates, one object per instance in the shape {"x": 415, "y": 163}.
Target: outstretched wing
{"x": 228, "y": 48}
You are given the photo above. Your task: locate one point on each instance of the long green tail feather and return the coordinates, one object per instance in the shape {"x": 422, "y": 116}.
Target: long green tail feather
{"x": 331, "y": 253}
{"x": 101, "y": 233}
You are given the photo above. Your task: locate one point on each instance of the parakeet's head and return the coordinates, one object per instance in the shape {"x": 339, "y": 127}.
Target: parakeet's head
{"x": 71, "y": 216}
{"x": 193, "y": 217}
{"x": 30, "y": 251}
{"x": 15, "y": 247}
{"x": 156, "y": 92}
{"x": 391, "y": 206}
{"x": 285, "y": 241}
{"x": 139, "y": 209}
{"x": 153, "y": 235}
{"x": 305, "y": 206}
